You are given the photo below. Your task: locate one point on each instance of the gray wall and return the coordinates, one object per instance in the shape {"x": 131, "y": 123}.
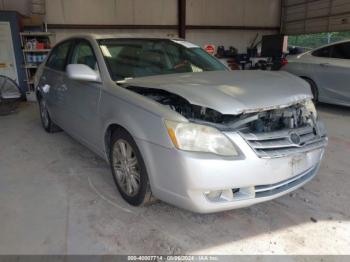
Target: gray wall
{"x": 21, "y": 6}
{"x": 262, "y": 13}
{"x": 233, "y": 12}
{"x": 156, "y": 12}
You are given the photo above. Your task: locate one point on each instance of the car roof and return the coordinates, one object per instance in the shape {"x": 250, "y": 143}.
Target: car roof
{"x": 121, "y": 36}
{"x": 95, "y": 37}
{"x": 112, "y": 36}
{"x": 320, "y": 47}
{"x": 334, "y": 43}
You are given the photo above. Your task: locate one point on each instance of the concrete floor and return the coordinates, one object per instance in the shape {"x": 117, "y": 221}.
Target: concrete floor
{"x": 56, "y": 197}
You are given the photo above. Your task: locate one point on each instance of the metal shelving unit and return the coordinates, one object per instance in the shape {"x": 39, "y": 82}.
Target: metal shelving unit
{"x": 35, "y": 47}
{"x": 36, "y": 50}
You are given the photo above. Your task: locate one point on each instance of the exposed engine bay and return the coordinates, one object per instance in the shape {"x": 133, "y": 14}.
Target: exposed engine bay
{"x": 291, "y": 117}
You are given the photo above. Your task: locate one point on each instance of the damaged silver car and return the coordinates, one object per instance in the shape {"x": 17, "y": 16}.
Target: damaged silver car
{"x": 175, "y": 124}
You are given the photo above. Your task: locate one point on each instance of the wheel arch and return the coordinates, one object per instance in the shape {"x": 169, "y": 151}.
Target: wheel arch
{"x": 111, "y": 128}
{"x": 313, "y": 86}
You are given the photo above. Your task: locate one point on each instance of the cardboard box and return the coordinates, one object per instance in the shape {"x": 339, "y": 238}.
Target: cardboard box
{"x": 34, "y": 20}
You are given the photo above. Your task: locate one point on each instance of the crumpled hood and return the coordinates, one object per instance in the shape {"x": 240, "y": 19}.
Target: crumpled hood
{"x": 231, "y": 92}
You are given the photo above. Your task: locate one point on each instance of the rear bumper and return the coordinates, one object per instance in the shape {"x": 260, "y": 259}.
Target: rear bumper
{"x": 183, "y": 178}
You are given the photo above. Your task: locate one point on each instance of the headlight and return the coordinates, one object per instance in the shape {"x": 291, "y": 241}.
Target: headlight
{"x": 310, "y": 106}
{"x": 200, "y": 138}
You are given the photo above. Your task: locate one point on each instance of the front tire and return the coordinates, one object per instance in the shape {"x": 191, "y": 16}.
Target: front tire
{"x": 129, "y": 170}
{"x": 46, "y": 121}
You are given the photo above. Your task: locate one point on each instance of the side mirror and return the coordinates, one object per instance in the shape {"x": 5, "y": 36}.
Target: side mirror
{"x": 82, "y": 72}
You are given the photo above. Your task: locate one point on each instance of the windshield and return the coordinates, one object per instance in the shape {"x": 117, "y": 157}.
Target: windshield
{"x": 146, "y": 57}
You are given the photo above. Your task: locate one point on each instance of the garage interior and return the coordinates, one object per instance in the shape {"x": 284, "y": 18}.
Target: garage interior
{"x": 57, "y": 197}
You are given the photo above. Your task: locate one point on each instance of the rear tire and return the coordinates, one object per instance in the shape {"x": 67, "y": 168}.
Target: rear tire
{"x": 46, "y": 121}
{"x": 313, "y": 88}
{"x": 129, "y": 170}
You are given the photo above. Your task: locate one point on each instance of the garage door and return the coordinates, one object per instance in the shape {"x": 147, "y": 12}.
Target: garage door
{"x": 315, "y": 16}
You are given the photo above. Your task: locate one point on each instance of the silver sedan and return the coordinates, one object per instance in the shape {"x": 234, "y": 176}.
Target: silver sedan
{"x": 174, "y": 124}
{"x": 327, "y": 70}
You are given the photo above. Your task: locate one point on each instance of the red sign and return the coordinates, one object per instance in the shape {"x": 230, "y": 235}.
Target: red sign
{"x": 210, "y": 49}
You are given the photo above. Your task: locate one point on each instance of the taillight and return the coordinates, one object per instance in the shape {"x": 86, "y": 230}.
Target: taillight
{"x": 284, "y": 61}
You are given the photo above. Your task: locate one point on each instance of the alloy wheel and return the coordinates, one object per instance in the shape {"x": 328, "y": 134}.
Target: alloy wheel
{"x": 126, "y": 167}
{"x": 44, "y": 114}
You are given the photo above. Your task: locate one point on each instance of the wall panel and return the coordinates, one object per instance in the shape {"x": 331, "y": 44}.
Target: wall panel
{"x": 109, "y": 12}
{"x": 224, "y": 13}
{"x": 314, "y": 16}
{"x": 234, "y": 12}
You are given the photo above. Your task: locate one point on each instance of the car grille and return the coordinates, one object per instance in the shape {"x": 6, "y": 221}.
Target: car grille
{"x": 269, "y": 190}
{"x": 280, "y": 143}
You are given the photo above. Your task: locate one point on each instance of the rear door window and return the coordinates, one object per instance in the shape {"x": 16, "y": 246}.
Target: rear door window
{"x": 323, "y": 52}
{"x": 58, "y": 57}
{"x": 341, "y": 51}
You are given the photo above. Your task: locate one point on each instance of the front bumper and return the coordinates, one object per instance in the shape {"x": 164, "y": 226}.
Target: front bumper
{"x": 182, "y": 178}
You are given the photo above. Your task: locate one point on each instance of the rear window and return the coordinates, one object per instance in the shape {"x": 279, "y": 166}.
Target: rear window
{"x": 323, "y": 52}
{"x": 341, "y": 51}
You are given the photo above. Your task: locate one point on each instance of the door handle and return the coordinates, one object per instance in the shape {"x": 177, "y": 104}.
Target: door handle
{"x": 325, "y": 64}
